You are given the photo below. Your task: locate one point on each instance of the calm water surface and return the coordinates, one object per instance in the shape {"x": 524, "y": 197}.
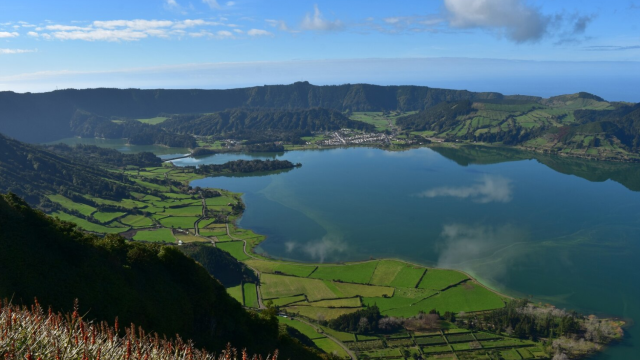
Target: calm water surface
{"x": 518, "y": 225}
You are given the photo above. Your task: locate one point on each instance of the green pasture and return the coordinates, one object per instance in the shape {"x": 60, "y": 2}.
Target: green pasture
{"x": 159, "y": 235}
{"x": 180, "y": 222}
{"x": 105, "y": 217}
{"x": 351, "y": 290}
{"x": 330, "y": 347}
{"x": 154, "y": 120}
{"x": 250, "y": 295}
{"x": 66, "y": 203}
{"x": 305, "y": 329}
{"x": 89, "y": 226}
{"x": 184, "y": 211}
{"x": 319, "y": 313}
{"x": 235, "y": 248}
{"x": 342, "y": 336}
{"x": 288, "y": 300}
{"x": 236, "y": 293}
{"x": 136, "y": 221}
{"x": 439, "y": 279}
{"x": 187, "y": 238}
{"x": 467, "y": 297}
{"x": 276, "y": 286}
{"x": 284, "y": 268}
{"x": 337, "y": 303}
{"x": 353, "y": 273}
{"x": 220, "y": 201}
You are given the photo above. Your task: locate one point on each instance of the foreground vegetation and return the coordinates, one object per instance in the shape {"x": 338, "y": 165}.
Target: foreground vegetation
{"x": 32, "y": 333}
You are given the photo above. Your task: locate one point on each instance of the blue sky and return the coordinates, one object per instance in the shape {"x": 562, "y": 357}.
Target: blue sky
{"x": 514, "y": 46}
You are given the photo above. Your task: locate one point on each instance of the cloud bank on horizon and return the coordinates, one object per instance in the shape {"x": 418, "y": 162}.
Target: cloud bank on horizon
{"x": 38, "y": 37}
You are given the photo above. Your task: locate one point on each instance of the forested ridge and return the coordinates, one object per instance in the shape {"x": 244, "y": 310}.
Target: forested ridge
{"x": 52, "y": 112}
{"x": 230, "y": 121}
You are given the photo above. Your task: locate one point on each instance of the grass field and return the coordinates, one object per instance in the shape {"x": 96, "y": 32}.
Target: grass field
{"x": 330, "y": 347}
{"x": 355, "y": 273}
{"x": 307, "y": 330}
{"x": 337, "y": 303}
{"x": 386, "y": 271}
{"x": 136, "y": 221}
{"x": 180, "y": 222}
{"x": 408, "y": 277}
{"x": 159, "y": 235}
{"x": 236, "y": 293}
{"x": 235, "y": 248}
{"x": 89, "y": 226}
{"x": 439, "y": 279}
{"x": 287, "y": 300}
{"x": 467, "y": 297}
{"x": 318, "y": 313}
{"x": 220, "y": 201}
{"x": 276, "y": 286}
{"x": 250, "y": 295}
{"x": 285, "y": 268}
{"x": 351, "y": 290}
{"x": 189, "y": 238}
{"x": 83, "y": 209}
{"x": 184, "y": 211}
{"x": 105, "y": 217}
{"x": 153, "y": 121}
{"x": 342, "y": 336}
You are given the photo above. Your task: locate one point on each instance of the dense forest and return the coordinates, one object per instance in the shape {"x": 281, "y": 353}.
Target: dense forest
{"x": 230, "y": 121}
{"x": 31, "y": 172}
{"x": 95, "y": 155}
{"x": 52, "y": 112}
{"x": 245, "y": 166}
{"x": 153, "y": 286}
{"x": 85, "y": 124}
{"x": 436, "y": 118}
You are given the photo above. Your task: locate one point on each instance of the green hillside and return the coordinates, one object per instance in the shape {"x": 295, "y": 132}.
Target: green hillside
{"x": 52, "y": 112}
{"x": 153, "y": 286}
{"x": 307, "y": 120}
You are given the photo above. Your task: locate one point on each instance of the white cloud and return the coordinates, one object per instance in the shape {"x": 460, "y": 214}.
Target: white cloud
{"x": 490, "y": 188}
{"x": 238, "y": 31}
{"x": 16, "y": 51}
{"x": 137, "y": 24}
{"x": 224, "y": 34}
{"x": 194, "y": 23}
{"x": 231, "y": 3}
{"x": 101, "y": 35}
{"x": 318, "y": 23}
{"x": 515, "y": 19}
{"x": 5, "y": 34}
{"x": 171, "y": 4}
{"x": 280, "y": 24}
{"x": 63, "y": 28}
{"x": 33, "y": 34}
{"x": 212, "y": 3}
{"x": 257, "y": 32}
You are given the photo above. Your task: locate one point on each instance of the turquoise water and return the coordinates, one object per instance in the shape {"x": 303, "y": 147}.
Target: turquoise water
{"x": 552, "y": 229}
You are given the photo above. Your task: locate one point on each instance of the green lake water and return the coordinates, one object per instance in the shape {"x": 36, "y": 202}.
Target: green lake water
{"x": 566, "y": 232}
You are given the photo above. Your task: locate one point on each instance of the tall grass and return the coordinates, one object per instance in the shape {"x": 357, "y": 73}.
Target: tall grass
{"x": 30, "y": 333}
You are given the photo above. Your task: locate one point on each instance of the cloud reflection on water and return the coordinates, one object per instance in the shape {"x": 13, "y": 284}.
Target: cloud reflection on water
{"x": 490, "y": 188}
{"x": 318, "y": 250}
{"x": 487, "y": 251}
